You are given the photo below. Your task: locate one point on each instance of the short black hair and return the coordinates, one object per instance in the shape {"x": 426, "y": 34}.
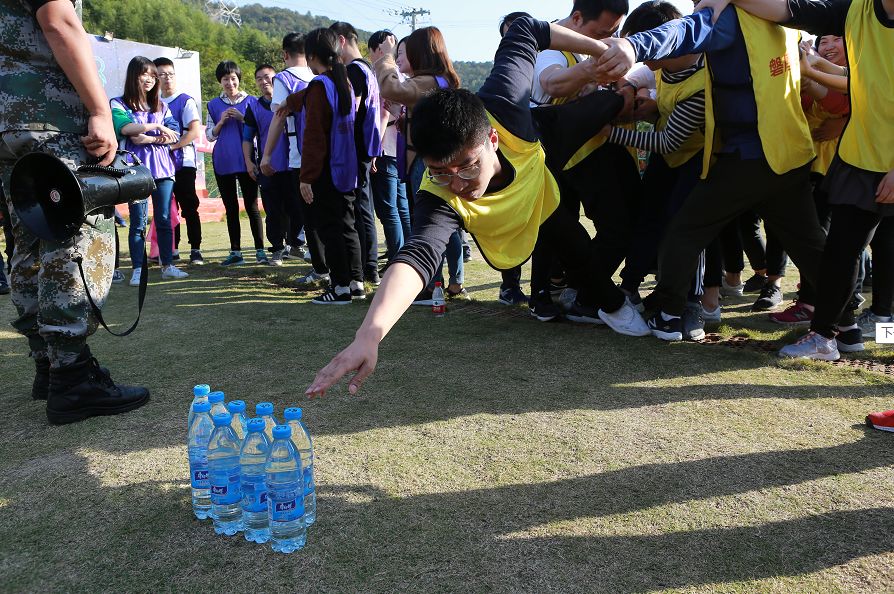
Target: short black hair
{"x": 346, "y": 30}
{"x": 447, "y": 121}
{"x": 510, "y": 18}
{"x": 593, "y": 9}
{"x": 649, "y": 15}
{"x": 293, "y": 44}
{"x": 228, "y": 67}
{"x": 163, "y": 62}
{"x": 260, "y": 67}
{"x": 376, "y": 39}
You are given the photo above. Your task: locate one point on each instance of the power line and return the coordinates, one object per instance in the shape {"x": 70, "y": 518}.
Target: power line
{"x": 224, "y": 11}
{"x": 410, "y": 14}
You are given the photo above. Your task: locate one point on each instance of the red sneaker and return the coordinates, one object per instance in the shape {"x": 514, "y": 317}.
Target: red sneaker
{"x": 883, "y": 421}
{"x": 795, "y": 315}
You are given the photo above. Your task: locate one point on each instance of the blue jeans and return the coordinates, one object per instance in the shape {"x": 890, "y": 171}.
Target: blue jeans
{"x": 390, "y": 201}
{"x": 454, "y": 252}
{"x": 161, "y": 214}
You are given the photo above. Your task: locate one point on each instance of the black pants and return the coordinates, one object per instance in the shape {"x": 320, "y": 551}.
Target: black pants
{"x": 563, "y": 237}
{"x": 227, "y": 186}
{"x": 296, "y": 213}
{"x": 745, "y": 233}
{"x": 852, "y": 229}
{"x": 188, "y": 201}
{"x": 511, "y": 278}
{"x": 333, "y": 213}
{"x": 314, "y": 244}
{"x": 365, "y": 221}
{"x": 735, "y": 186}
{"x": 280, "y": 206}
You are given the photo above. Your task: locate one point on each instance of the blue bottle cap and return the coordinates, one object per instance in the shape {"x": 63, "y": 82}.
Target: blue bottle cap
{"x": 221, "y": 419}
{"x": 256, "y": 425}
{"x": 215, "y": 397}
{"x": 201, "y": 390}
{"x": 201, "y": 407}
{"x": 293, "y": 414}
{"x": 282, "y": 432}
{"x": 262, "y": 409}
{"x": 236, "y": 406}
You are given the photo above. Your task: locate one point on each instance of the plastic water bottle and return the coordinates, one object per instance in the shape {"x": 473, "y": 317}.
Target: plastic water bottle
{"x": 236, "y": 408}
{"x": 199, "y": 394}
{"x": 265, "y": 411}
{"x": 253, "y": 459}
{"x": 437, "y": 301}
{"x": 197, "y": 439}
{"x": 285, "y": 492}
{"x": 217, "y": 403}
{"x": 304, "y": 445}
{"x": 225, "y": 473}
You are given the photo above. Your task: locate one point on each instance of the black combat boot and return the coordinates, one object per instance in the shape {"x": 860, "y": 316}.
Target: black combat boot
{"x": 41, "y": 386}
{"x": 84, "y": 389}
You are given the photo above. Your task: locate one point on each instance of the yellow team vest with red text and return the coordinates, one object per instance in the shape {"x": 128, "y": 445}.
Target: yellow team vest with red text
{"x": 669, "y": 96}
{"x": 868, "y": 139}
{"x": 776, "y": 78}
{"x": 506, "y": 223}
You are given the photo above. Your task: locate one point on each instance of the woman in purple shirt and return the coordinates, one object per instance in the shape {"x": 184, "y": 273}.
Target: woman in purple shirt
{"x": 151, "y": 119}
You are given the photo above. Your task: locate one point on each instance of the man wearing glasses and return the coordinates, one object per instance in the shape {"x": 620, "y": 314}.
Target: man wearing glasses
{"x": 487, "y": 174}
{"x": 186, "y": 111}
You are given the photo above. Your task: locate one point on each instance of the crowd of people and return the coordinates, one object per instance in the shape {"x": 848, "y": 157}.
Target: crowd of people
{"x": 751, "y": 127}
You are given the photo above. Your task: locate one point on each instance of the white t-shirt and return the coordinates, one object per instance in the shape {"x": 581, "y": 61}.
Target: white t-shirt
{"x": 545, "y": 59}
{"x": 190, "y": 114}
{"x": 280, "y": 93}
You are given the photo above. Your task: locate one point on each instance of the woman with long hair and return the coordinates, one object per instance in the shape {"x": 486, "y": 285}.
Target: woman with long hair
{"x": 224, "y": 125}
{"x": 427, "y": 67}
{"x": 153, "y": 121}
{"x": 329, "y": 166}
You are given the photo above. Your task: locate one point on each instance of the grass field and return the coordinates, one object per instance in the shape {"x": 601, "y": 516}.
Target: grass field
{"x": 487, "y": 453}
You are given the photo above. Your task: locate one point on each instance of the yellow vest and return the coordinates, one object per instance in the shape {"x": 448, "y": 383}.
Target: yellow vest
{"x": 572, "y": 61}
{"x": 506, "y": 223}
{"x": 868, "y": 140}
{"x": 776, "y": 78}
{"x": 669, "y": 96}
{"x": 825, "y": 150}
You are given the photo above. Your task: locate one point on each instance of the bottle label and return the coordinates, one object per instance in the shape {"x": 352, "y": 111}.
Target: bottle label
{"x": 309, "y": 480}
{"x": 198, "y": 469}
{"x": 254, "y": 494}
{"x": 225, "y": 486}
{"x": 286, "y": 502}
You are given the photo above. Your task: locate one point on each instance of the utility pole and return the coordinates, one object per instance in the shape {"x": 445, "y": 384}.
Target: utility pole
{"x": 224, "y": 11}
{"x": 410, "y": 14}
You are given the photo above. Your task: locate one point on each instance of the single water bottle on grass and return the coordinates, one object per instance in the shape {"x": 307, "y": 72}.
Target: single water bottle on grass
{"x": 304, "y": 445}
{"x": 197, "y": 440}
{"x": 226, "y": 476}
{"x": 285, "y": 493}
{"x": 253, "y": 459}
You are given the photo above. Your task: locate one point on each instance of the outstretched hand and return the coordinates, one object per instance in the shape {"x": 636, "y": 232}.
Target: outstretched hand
{"x": 616, "y": 60}
{"x": 359, "y": 356}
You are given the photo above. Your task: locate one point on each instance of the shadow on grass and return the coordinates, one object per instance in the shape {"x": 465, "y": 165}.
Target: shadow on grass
{"x": 142, "y": 536}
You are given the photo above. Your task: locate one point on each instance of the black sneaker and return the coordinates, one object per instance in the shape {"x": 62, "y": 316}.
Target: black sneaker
{"x": 467, "y": 253}
{"x": 373, "y": 278}
{"x": 330, "y": 297}
{"x": 755, "y": 283}
{"x": 513, "y": 296}
{"x": 670, "y": 330}
{"x": 770, "y": 298}
{"x": 195, "y": 258}
{"x": 556, "y": 286}
{"x": 358, "y": 294}
{"x": 584, "y": 314}
{"x": 542, "y": 307}
{"x": 850, "y": 341}
{"x": 693, "y": 323}
{"x": 424, "y": 298}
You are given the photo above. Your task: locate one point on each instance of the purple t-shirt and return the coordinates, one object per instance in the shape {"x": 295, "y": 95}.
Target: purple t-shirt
{"x": 156, "y": 157}
{"x": 227, "y": 156}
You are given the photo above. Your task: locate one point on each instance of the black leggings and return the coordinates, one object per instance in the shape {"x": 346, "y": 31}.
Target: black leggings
{"x": 188, "y": 201}
{"x": 852, "y": 229}
{"x": 333, "y": 214}
{"x": 227, "y": 186}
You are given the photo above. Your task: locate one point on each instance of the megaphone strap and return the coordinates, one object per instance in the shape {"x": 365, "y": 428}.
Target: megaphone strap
{"x": 110, "y": 171}
{"x": 141, "y": 299}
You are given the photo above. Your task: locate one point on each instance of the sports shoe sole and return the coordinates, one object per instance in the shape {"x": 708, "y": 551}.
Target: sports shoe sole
{"x": 605, "y": 319}
{"x": 817, "y": 357}
{"x": 759, "y": 308}
{"x": 239, "y": 263}
{"x": 783, "y": 323}
{"x": 66, "y": 417}
{"x": 315, "y": 302}
{"x": 667, "y": 336}
{"x": 697, "y": 337}
{"x": 851, "y": 348}
{"x": 585, "y": 319}
{"x": 543, "y": 318}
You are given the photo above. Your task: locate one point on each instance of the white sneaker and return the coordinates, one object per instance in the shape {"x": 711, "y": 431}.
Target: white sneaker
{"x": 626, "y": 321}
{"x": 711, "y": 316}
{"x": 277, "y": 257}
{"x": 567, "y": 298}
{"x": 171, "y": 271}
{"x": 135, "y": 277}
{"x": 812, "y": 346}
{"x": 867, "y": 321}
{"x": 728, "y": 290}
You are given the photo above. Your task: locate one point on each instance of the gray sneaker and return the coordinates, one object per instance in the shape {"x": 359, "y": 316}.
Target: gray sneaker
{"x": 312, "y": 279}
{"x": 693, "y": 323}
{"x": 867, "y": 321}
{"x": 276, "y": 258}
{"x": 812, "y": 346}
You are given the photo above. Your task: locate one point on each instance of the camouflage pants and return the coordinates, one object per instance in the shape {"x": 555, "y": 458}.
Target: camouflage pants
{"x": 47, "y": 290}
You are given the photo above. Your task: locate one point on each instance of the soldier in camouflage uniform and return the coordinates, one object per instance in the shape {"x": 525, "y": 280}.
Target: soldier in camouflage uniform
{"x": 43, "y": 111}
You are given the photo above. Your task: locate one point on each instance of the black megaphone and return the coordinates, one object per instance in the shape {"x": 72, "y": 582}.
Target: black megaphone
{"x": 53, "y": 201}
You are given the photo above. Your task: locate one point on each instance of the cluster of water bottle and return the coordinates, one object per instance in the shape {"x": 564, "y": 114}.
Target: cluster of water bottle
{"x": 252, "y": 476}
